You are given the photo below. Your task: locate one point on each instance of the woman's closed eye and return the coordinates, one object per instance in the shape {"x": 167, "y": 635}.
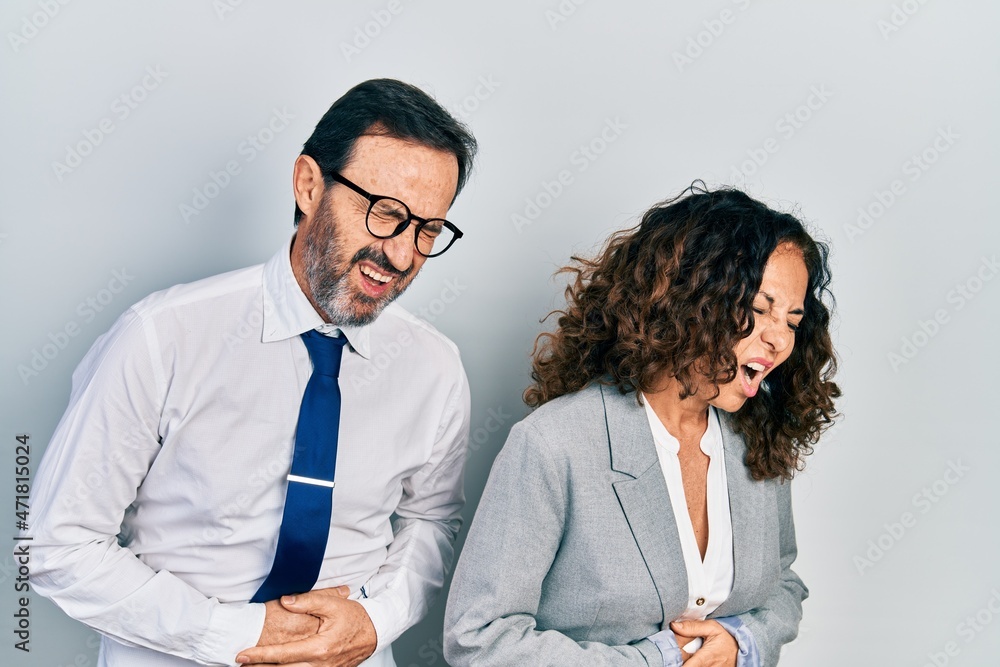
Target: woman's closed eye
{"x": 794, "y": 326}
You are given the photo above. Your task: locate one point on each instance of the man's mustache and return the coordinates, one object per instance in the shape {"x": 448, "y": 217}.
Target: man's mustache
{"x": 379, "y": 259}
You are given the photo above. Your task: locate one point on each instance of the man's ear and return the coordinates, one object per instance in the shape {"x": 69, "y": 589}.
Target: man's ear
{"x": 307, "y": 185}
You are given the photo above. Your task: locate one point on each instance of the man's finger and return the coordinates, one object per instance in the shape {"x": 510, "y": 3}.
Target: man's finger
{"x": 696, "y": 628}
{"x": 317, "y": 600}
{"x": 304, "y": 649}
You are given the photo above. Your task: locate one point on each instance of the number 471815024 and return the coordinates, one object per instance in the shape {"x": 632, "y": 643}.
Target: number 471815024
{"x": 22, "y": 480}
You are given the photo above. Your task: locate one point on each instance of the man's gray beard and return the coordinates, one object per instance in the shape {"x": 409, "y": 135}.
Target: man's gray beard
{"x": 335, "y": 301}
{"x": 329, "y": 282}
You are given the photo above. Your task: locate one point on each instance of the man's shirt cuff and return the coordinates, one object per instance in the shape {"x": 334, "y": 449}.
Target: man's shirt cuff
{"x": 386, "y": 616}
{"x": 232, "y": 627}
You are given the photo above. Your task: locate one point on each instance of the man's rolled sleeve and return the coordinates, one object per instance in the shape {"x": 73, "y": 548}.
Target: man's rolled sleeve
{"x": 666, "y": 641}
{"x": 748, "y": 656}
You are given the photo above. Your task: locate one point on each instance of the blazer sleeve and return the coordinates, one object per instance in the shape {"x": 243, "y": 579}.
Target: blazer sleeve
{"x": 494, "y": 597}
{"x": 776, "y": 622}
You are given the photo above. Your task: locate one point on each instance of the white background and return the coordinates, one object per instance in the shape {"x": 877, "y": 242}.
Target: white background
{"x": 536, "y": 83}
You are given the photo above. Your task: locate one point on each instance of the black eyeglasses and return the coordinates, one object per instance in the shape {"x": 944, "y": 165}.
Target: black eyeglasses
{"x": 388, "y": 217}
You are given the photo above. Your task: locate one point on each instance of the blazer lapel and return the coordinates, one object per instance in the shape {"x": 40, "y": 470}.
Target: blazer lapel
{"x": 751, "y": 506}
{"x": 645, "y": 499}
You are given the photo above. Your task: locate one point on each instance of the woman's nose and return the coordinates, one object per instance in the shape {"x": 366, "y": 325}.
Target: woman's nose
{"x": 777, "y": 335}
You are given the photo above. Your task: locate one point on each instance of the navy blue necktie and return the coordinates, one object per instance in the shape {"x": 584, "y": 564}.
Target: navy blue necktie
{"x": 305, "y": 523}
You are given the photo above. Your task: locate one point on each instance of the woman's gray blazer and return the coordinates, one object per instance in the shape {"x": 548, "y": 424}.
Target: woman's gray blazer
{"x": 573, "y": 556}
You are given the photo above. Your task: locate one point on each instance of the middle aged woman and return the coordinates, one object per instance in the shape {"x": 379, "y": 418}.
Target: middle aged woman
{"x": 689, "y": 375}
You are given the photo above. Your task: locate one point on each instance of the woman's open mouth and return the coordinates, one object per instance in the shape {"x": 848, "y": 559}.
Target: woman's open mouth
{"x": 751, "y": 374}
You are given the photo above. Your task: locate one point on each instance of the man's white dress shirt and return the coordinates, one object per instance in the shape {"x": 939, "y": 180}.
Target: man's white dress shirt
{"x": 156, "y": 508}
{"x": 710, "y": 581}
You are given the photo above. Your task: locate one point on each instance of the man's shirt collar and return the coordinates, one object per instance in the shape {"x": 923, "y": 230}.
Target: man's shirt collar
{"x": 288, "y": 313}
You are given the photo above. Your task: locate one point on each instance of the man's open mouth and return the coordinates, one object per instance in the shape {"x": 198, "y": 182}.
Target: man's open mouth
{"x": 375, "y": 276}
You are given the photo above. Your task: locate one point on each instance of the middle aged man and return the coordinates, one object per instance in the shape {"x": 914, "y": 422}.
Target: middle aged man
{"x": 161, "y": 512}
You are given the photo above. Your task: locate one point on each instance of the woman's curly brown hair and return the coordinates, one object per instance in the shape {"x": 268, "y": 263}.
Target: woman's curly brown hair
{"x": 673, "y": 296}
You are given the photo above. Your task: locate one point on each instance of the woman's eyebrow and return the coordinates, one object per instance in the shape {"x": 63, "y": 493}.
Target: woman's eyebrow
{"x": 770, "y": 300}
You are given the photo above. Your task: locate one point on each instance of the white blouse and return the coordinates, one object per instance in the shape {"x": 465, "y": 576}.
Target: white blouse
{"x": 710, "y": 581}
